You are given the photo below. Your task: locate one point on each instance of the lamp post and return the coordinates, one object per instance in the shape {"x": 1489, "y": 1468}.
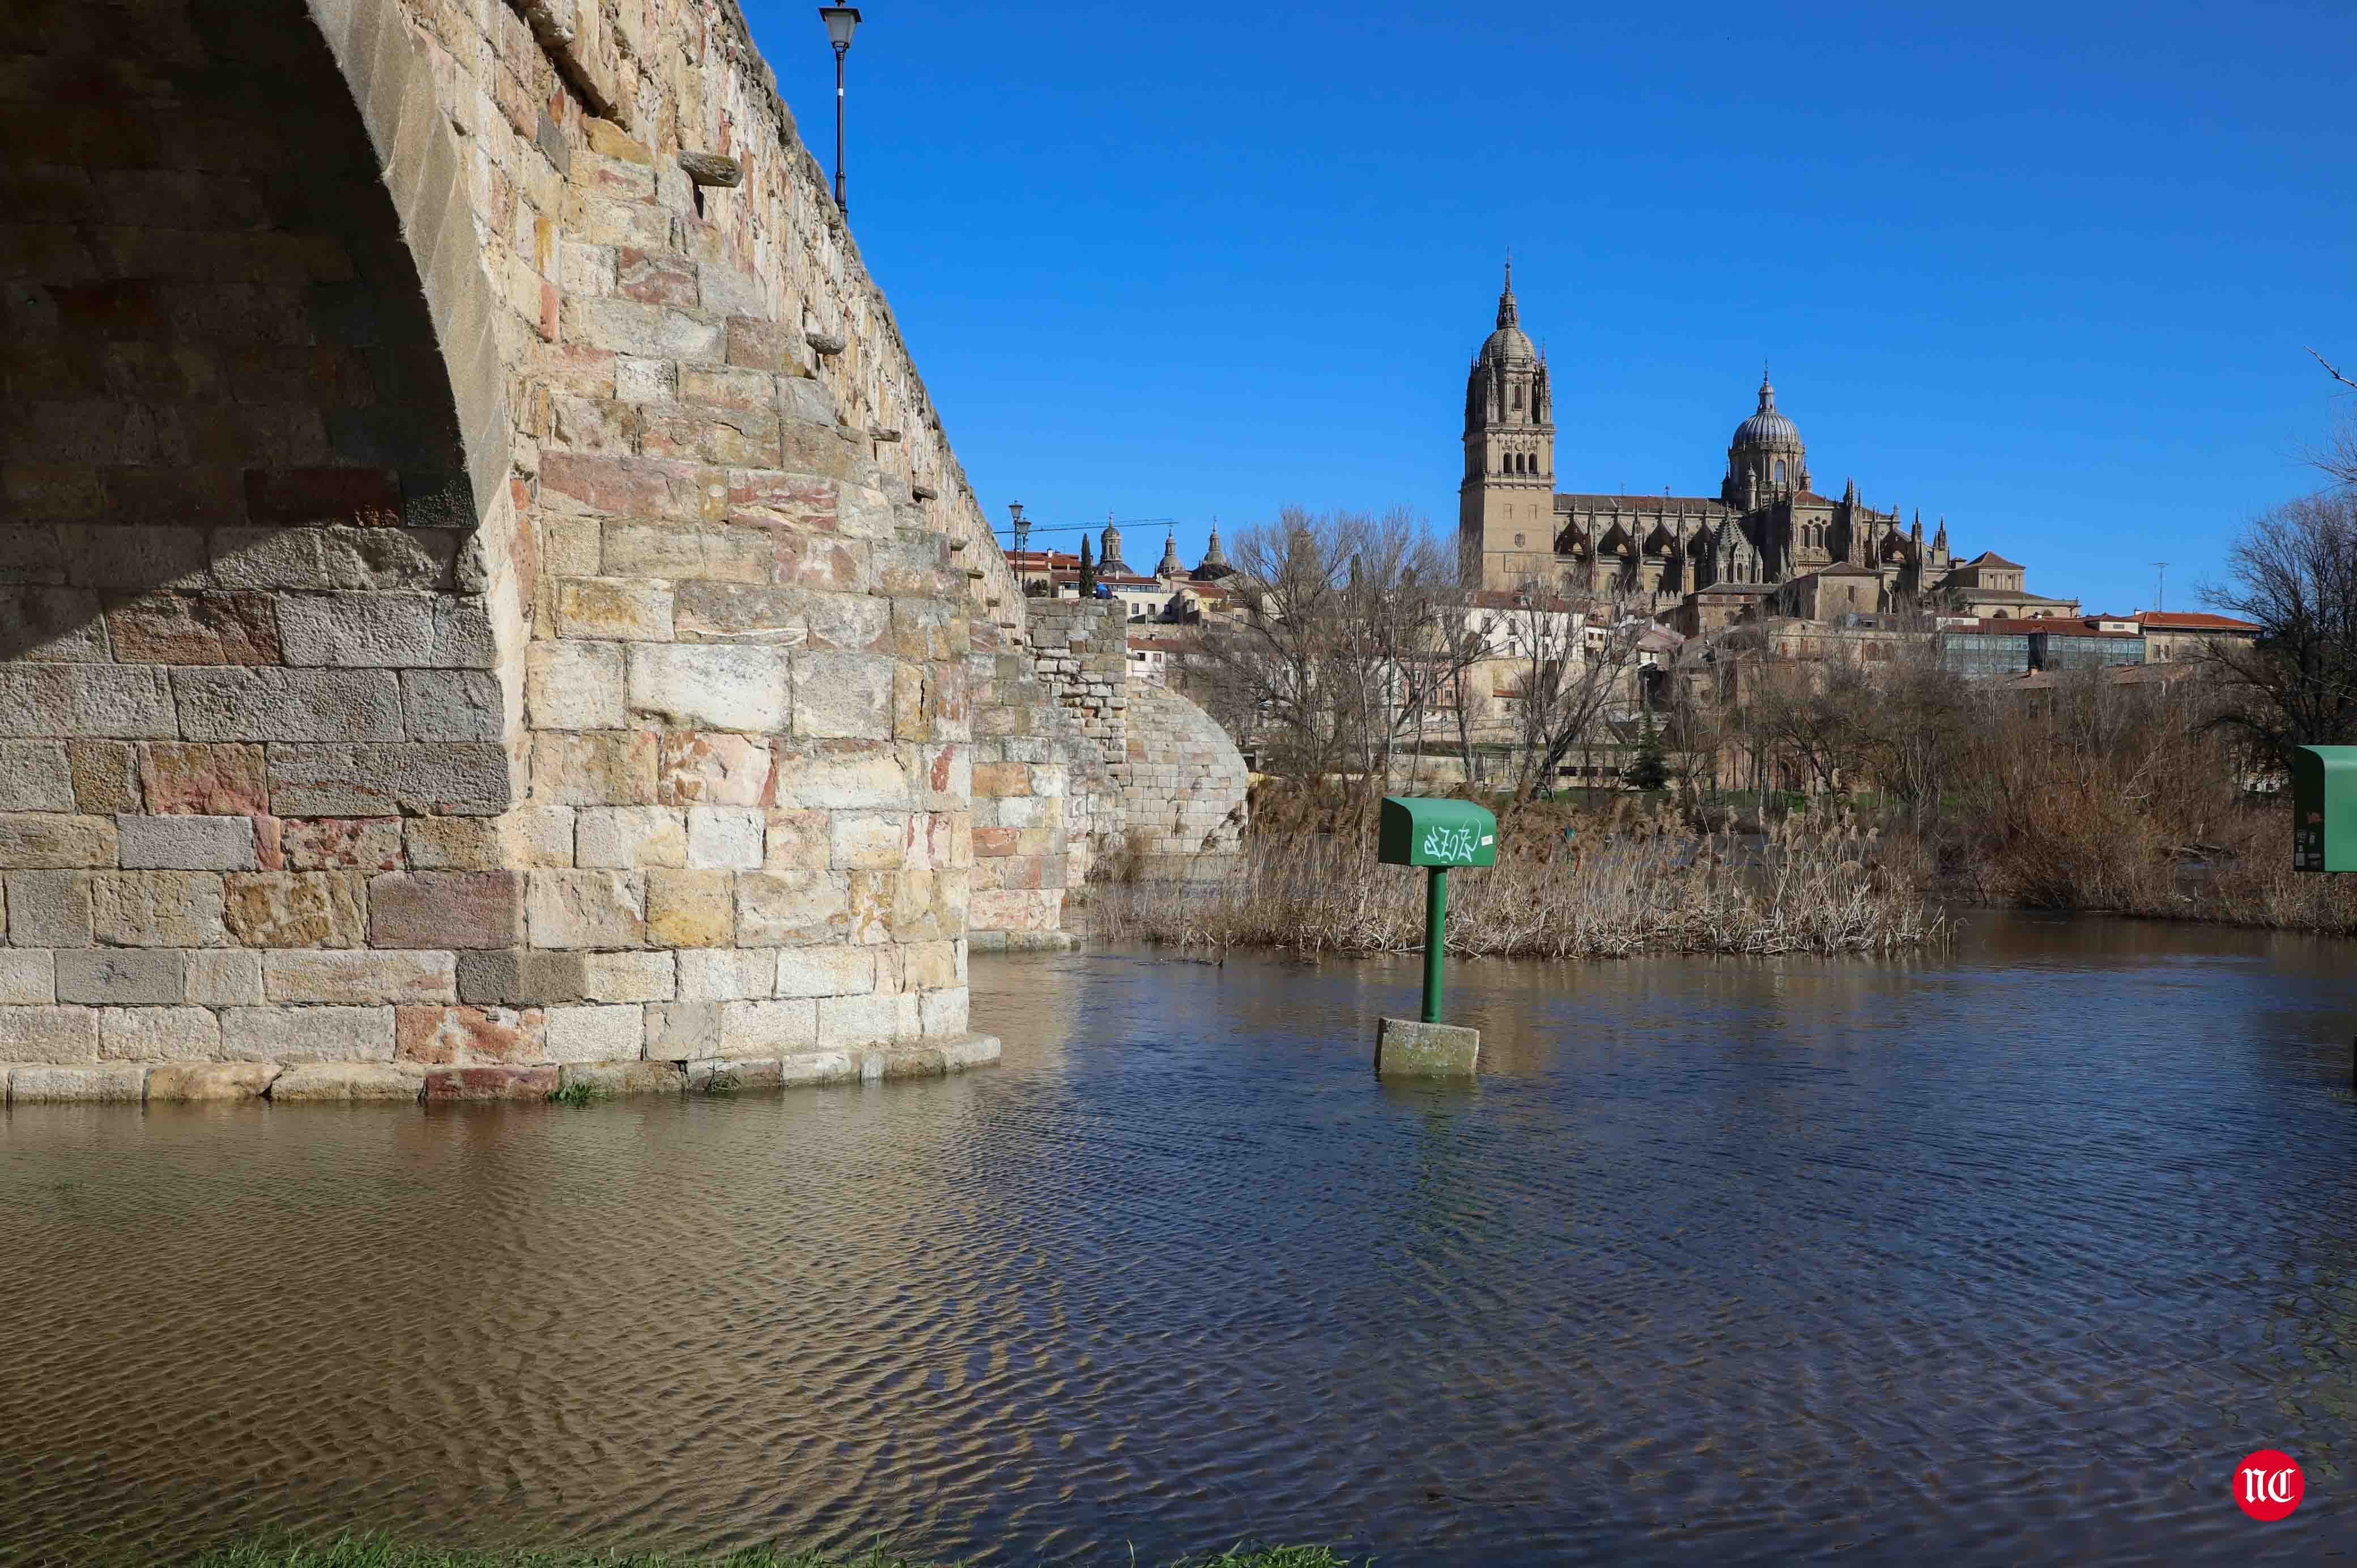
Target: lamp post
{"x": 840, "y": 21}
{"x": 1022, "y": 540}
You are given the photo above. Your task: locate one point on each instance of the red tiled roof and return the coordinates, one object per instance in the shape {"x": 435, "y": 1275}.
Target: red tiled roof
{"x": 2187, "y": 620}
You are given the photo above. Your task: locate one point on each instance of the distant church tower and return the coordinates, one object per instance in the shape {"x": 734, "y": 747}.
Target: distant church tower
{"x": 1505, "y": 510}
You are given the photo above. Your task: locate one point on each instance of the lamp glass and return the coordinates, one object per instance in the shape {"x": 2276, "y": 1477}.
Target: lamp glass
{"x": 840, "y": 20}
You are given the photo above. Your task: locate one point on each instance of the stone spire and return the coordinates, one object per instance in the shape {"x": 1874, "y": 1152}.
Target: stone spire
{"x": 1507, "y": 314}
{"x": 1915, "y": 534}
{"x": 1214, "y": 565}
{"x": 1170, "y": 566}
{"x": 1940, "y": 540}
{"x": 1109, "y": 551}
{"x": 1849, "y": 495}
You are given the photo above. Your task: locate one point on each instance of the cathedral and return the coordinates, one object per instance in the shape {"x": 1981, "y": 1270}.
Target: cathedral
{"x": 1767, "y": 535}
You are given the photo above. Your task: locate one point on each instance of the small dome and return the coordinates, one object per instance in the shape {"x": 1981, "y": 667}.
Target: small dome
{"x": 1510, "y": 344}
{"x": 1767, "y": 427}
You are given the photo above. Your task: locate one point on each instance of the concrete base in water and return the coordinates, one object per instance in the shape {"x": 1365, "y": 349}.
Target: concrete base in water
{"x": 132, "y": 1083}
{"x": 1404, "y": 1048}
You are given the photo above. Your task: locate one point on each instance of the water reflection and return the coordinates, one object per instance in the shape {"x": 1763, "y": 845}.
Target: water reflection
{"x": 1995, "y": 1256}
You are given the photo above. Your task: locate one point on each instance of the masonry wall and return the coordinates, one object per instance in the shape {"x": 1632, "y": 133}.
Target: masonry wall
{"x": 481, "y": 608}
{"x": 1182, "y": 802}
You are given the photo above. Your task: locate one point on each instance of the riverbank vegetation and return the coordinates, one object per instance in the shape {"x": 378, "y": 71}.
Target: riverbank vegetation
{"x": 378, "y": 1551}
{"x": 1627, "y": 881}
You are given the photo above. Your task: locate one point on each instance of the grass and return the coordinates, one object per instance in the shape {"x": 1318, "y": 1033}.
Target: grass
{"x": 575, "y": 1094}
{"x": 379, "y": 1552}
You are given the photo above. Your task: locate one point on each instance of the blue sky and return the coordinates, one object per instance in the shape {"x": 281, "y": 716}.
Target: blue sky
{"x": 2046, "y": 269}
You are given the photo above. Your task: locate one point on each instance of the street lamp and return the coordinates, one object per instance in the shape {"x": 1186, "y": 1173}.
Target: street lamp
{"x": 840, "y": 21}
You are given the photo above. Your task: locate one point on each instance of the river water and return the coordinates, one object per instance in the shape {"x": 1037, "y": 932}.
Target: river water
{"x": 2003, "y": 1255}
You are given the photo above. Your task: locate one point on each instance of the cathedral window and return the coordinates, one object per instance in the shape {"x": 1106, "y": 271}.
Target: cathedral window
{"x": 1779, "y": 470}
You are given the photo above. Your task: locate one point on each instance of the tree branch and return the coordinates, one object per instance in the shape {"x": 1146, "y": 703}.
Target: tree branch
{"x": 2331, "y": 370}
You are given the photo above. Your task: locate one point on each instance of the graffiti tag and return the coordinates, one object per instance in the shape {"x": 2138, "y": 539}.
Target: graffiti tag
{"x": 1454, "y": 845}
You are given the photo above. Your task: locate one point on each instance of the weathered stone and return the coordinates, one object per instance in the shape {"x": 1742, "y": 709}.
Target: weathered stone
{"x": 50, "y": 909}
{"x": 944, "y": 1013}
{"x": 158, "y": 1034}
{"x": 825, "y": 971}
{"x": 186, "y": 843}
{"x": 284, "y": 706}
{"x": 49, "y": 1033}
{"x": 726, "y": 974}
{"x": 847, "y": 775}
{"x": 119, "y": 1084}
{"x": 460, "y": 1036}
{"x": 35, "y": 776}
{"x": 621, "y": 976}
{"x": 852, "y": 1021}
{"x": 595, "y": 1034}
{"x": 445, "y": 777}
{"x": 296, "y": 909}
{"x": 759, "y": 1028}
{"x": 345, "y": 1081}
{"x": 360, "y": 978}
{"x": 28, "y": 977}
{"x": 349, "y": 844}
{"x": 803, "y": 1068}
{"x": 726, "y": 837}
{"x": 50, "y": 841}
{"x": 864, "y": 842}
{"x": 713, "y": 169}
{"x": 614, "y": 608}
{"x": 752, "y": 613}
{"x": 465, "y": 844}
{"x": 715, "y": 769}
{"x": 734, "y": 1075}
{"x": 616, "y": 768}
{"x": 108, "y": 977}
{"x": 382, "y": 631}
{"x": 575, "y": 685}
{"x": 798, "y": 840}
{"x": 709, "y": 687}
{"x": 204, "y": 780}
{"x": 628, "y": 838}
{"x": 198, "y": 1082}
{"x": 534, "y": 1083}
{"x": 224, "y": 978}
{"x": 624, "y": 1077}
{"x": 676, "y": 1031}
{"x": 453, "y": 704}
{"x": 787, "y": 909}
{"x": 54, "y": 625}
{"x": 446, "y": 908}
{"x": 201, "y": 628}
{"x": 278, "y": 1034}
{"x": 586, "y": 908}
{"x": 105, "y": 777}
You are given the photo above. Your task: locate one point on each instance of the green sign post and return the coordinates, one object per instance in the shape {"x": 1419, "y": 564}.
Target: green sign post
{"x": 1438, "y": 835}
{"x": 2324, "y": 820}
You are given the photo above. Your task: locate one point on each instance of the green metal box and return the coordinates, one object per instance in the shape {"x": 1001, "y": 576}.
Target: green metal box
{"x": 2323, "y": 807}
{"x": 1421, "y": 832}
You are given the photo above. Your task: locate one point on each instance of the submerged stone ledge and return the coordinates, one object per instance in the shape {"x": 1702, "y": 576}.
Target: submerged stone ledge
{"x": 351, "y": 1082}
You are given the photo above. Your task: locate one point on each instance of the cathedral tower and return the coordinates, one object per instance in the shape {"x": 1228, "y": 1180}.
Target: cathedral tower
{"x": 1767, "y": 460}
{"x": 1505, "y": 512}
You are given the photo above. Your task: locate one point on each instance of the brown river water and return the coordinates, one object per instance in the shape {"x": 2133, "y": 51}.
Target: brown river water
{"x": 2002, "y": 1255}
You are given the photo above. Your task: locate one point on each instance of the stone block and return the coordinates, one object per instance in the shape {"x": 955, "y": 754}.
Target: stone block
{"x": 630, "y": 838}
{"x": 944, "y": 1013}
{"x": 798, "y": 840}
{"x": 791, "y": 909}
{"x": 705, "y": 686}
{"x": 595, "y": 1034}
{"x": 603, "y": 769}
{"x": 806, "y": 1069}
{"x": 119, "y": 1084}
{"x": 35, "y": 776}
{"x": 622, "y": 610}
{"x": 194, "y": 1083}
{"x": 759, "y": 1028}
{"x": 49, "y": 1033}
{"x": 224, "y": 978}
{"x": 735, "y": 1075}
{"x": 135, "y": 558}
{"x": 105, "y": 977}
{"x": 345, "y": 1082}
{"x": 929, "y": 966}
{"x": 364, "y": 498}
{"x": 466, "y": 1036}
{"x": 37, "y": 841}
{"x": 453, "y": 704}
{"x": 296, "y": 909}
{"x": 869, "y": 842}
{"x": 185, "y": 843}
{"x": 1407, "y": 1049}
{"x": 105, "y": 777}
{"x": 158, "y": 1034}
{"x": 691, "y": 909}
{"x": 842, "y": 694}
{"x": 849, "y": 1021}
{"x": 54, "y": 625}
{"x": 726, "y": 837}
{"x": 226, "y": 780}
{"x": 825, "y": 971}
{"x": 351, "y": 843}
{"x": 372, "y": 560}
{"x": 847, "y": 776}
{"x": 451, "y": 1084}
{"x": 288, "y": 705}
{"x": 360, "y": 978}
{"x": 444, "y": 777}
{"x": 443, "y": 909}
{"x": 586, "y": 908}
{"x": 29, "y": 977}
{"x": 747, "y": 613}
{"x": 621, "y": 976}
{"x": 281, "y": 1034}
{"x": 679, "y": 1031}
{"x": 200, "y": 629}
{"x": 575, "y": 685}
{"x": 50, "y": 909}
{"x": 854, "y": 621}
{"x": 386, "y": 631}
{"x": 655, "y": 332}
{"x": 726, "y": 974}
{"x": 714, "y": 769}
{"x": 623, "y": 1077}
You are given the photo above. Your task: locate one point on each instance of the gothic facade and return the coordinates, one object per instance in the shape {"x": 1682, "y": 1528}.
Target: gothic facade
{"x": 1767, "y": 529}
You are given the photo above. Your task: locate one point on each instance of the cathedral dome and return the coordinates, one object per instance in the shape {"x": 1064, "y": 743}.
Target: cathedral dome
{"x": 1509, "y": 343}
{"x": 1767, "y": 427}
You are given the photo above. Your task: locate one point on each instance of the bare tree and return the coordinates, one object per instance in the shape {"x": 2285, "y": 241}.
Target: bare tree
{"x": 1568, "y": 662}
{"x": 2293, "y": 571}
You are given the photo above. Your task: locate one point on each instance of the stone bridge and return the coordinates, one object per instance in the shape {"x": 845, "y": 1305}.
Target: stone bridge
{"x": 486, "y": 599}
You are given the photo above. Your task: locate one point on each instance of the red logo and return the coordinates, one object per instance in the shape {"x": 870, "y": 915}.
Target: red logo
{"x": 2268, "y": 1485}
